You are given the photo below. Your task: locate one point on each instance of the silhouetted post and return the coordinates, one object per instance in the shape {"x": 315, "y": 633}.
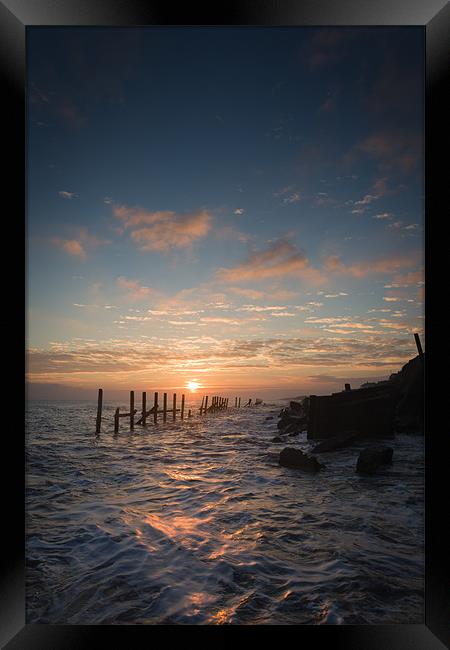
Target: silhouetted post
{"x": 418, "y": 344}
{"x": 165, "y": 407}
{"x": 182, "y": 407}
{"x": 144, "y": 409}
{"x": 226, "y": 402}
{"x": 98, "y": 423}
{"x": 201, "y": 405}
{"x": 174, "y": 402}
{"x": 189, "y": 413}
{"x": 131, "y": 410}
{"x": 235, "y": 402}
{"x": 155, "y": 409}
{"x": 347, "y": 387}
{"x": 116, "y": 420}
{"x": 239, "y": 403}
{"x": 206, "y": 404}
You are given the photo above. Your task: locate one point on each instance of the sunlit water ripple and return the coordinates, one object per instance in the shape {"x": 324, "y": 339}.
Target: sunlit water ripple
{"x": 196, "y": 523}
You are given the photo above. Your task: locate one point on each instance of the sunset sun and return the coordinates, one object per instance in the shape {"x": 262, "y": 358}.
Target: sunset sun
{"x": 192, "y": 385}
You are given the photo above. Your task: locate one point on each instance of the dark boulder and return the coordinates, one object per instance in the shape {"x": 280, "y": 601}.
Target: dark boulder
{"x": 338, "y": 442}
{"x": 299, "y": 423}
{"x": 277, "y": 439}
{"x": 295, "y": 458}
{"x": 296, "y": 407}
{"x": 371, "y": 458}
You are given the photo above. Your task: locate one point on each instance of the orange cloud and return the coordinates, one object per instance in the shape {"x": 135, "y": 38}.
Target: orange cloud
{"x": 280, "y": 259}
{"x": 163, "y": 230}
{"x": 134, "y": 289}
{"x": 361, "y": 269}
{"x": 79, "y": 245}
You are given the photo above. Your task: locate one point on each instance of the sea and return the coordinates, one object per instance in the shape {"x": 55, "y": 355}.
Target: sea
{"x": 195, "y": 522}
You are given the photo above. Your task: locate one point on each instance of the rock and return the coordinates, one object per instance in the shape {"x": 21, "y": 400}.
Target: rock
{"x": 335, "y": 443}
{"x": 371, "y": 458}
{"x": 295, "y": 458}
{"x": 294, "y": 433}
{"x": 296, "y": 422}
{"x": 296, "y": 407}
{"x": 269, "y": 417}
{"x": 277, "y": 439}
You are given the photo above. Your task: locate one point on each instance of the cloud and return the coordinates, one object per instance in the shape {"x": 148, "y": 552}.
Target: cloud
{"x": 239, "y": 211}
{"x": 80, "y": 244}
{"x": 67, "y": 195}
{"x": 383, "y": 266}
{"x": 383, "y": 215}
{"x": 281, "y": 258}
{"x": 163, "y": 230}
{"x": 134, "y": 289}
{"x": 391, "y": 150}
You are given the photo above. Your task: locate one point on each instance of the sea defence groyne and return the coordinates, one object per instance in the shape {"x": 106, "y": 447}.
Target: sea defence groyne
{"x": 168, "y": 410}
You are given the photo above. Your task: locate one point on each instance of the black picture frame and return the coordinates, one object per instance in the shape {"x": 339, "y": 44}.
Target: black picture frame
{"x": 434, "y": 17}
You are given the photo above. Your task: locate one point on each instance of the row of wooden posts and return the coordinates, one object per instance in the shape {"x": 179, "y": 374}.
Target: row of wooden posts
{"x": 217, "y": 403}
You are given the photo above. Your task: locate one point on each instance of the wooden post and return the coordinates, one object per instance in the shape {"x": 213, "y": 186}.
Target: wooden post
{"x": 174, "y": 403}
{"x": 239, "y": 403}
{"x": 347, "y": 387}
{"x": 165, "y": 407}
{"x": 182, "y": 407}
{"x": 98, "y": 423}
{"x": 206, "y": 404}
{"x": 189, "y": 413}
{"x": 131, "y": 410}
{"x": 155, "y": 409}
{"x": 144, "y": 409}
{"x": 418, "y": 344}
{"x": 235, "y": 402}
{"x": 226, "y": 402}
{"x": 116, "y": 420}
{"x": 201, "y": 406}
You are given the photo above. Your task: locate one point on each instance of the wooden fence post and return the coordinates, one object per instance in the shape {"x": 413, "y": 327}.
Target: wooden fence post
{"x": 239, "y": 403}
{"x": 144, "y": 408}
{"x": 165, "y": 407}
{"x": 189, "y": 413}
{"x": 155, "y": 409}
{"x": 206, "y": 405}
{"x": 201, "y": 406}
{"x": 98, "y": 423}
{"x": 131, "y": 410}
{"x": 116, "y": 420}
{"x": 174, "y": 403}
{"x": 182, "y": 407}
{"x": 418, "y": 344}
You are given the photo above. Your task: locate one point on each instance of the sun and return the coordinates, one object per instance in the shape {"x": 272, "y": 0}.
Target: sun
{"x": 192, "y": 385}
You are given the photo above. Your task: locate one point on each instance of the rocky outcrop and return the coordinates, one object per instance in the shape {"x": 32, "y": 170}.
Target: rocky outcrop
{"x": 371, "y": 458}
{"x": 295, "y": 458}
{"x": 338, "y": 442}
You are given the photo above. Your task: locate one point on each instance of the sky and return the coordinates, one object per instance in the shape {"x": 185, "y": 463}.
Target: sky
{"x": 236, "y": 207}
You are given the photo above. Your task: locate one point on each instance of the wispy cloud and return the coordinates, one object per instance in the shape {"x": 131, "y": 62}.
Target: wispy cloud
{"x": 365, "y": 268}
{"x": 134, "y": 289}
{"x": 67, "y": 195}
{"x": 79, "y": 245}
{"x": 281, "y": 258}
{"x": 163, "y": 230}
